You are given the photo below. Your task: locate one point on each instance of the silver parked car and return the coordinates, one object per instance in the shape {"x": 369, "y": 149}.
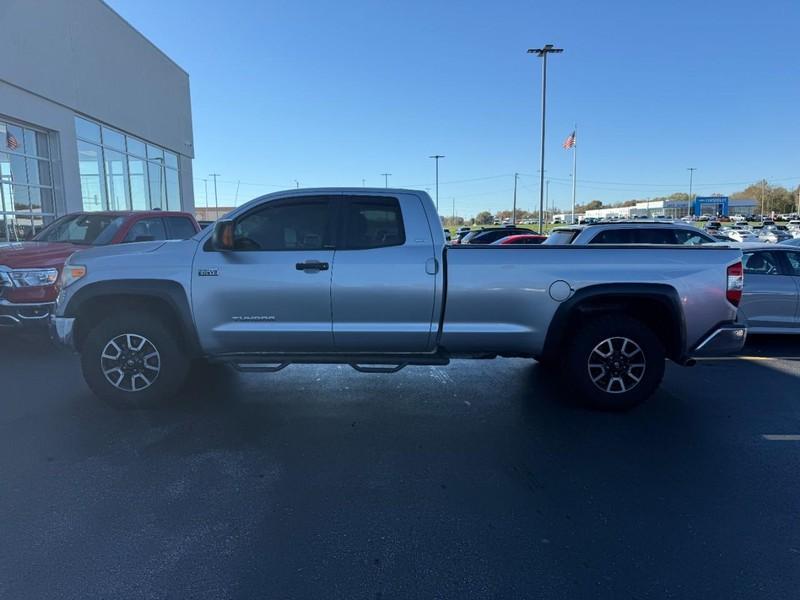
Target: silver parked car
{"x": 771, "y": 298}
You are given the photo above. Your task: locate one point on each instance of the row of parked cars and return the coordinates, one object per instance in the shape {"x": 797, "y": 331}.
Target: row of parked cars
{"x": 771, "y": 257}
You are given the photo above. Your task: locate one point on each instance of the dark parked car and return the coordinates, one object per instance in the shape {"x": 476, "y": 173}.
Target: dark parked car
{"x": 487, "y": 236}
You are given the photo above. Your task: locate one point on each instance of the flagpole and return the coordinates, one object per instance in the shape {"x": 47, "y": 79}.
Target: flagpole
{"x": 574, "y": 170}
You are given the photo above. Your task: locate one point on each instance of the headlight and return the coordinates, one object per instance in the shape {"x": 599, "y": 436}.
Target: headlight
{"x": 33, "y": 278}
{"x": 71, "y": 274}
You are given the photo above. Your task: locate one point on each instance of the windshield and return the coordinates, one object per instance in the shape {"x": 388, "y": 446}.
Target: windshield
{"x": 561, "y": 236}
{"x": 95, "y": 230}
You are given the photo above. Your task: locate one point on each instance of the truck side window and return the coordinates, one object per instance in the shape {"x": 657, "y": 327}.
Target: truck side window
{"x": 372, "y": 223}
{"x": 146, "y": 230}
{"x": 761, "y": 263}
{"x": 613, "y": 236}
{"x": 293, "y": 225}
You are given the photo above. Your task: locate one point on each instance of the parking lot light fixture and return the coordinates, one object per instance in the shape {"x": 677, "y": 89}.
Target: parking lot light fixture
{"x": 436, "y": 157}
{"x": 542, "y": 53}
{"x": 689, "y": 200}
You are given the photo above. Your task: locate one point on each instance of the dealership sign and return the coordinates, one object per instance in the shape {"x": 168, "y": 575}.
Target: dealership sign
{"x": 719, "y": 204}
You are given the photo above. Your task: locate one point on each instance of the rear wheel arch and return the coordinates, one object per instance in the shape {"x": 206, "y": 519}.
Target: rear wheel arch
{"x": 656, "y": 305}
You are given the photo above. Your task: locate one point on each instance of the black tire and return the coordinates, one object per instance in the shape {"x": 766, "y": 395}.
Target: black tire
{"x": 610, "y": 383}
{"x": 171, "y": 361}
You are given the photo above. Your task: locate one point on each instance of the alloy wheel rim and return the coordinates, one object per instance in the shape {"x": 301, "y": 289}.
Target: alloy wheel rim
{"x": 130, "y": 362}
{"x": 616, "y": 365}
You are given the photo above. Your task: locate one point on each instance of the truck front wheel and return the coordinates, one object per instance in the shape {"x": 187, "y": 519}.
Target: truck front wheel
{"x": 133, "y": 361}
{"x": 614, "y": 362}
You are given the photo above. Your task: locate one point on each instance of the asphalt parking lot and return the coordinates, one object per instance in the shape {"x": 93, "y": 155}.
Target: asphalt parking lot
{"x": 467, "y": 481}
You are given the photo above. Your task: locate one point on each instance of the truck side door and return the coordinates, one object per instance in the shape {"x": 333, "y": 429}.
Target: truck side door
{"x": 272, "y": 293}
{"x": 384, "y": 276}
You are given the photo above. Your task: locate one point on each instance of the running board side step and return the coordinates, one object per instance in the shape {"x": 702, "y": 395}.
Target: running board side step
{"x": 259, "y": 367}
{"x": 379, "y": 363}
{"x": 378, "y": 368}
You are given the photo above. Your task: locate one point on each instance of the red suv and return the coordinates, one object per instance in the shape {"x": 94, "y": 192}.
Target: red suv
{"x": 29, "y": 270}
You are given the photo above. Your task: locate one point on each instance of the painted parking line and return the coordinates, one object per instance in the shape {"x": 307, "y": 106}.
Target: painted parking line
{"x": 781, "y": 437}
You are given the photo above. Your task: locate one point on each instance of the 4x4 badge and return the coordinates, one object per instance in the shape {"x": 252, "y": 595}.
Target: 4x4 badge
{"x": 208, "y": 272}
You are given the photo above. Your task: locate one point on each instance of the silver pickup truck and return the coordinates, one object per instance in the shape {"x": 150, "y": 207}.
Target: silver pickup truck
{"x": 364, "y": 277}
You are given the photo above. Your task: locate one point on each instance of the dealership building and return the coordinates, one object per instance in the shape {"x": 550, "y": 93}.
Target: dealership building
{"x": 93, "y": 116}
{"x": 711, "y": 205}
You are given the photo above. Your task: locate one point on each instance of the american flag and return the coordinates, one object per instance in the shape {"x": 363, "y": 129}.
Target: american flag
{"x": 569, "y": 142}
{"x": 11, "y": 141}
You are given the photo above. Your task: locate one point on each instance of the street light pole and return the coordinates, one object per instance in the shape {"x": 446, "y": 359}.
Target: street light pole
{"x": 514, "y": 213}
{"x": 543, "y": 52}
{"x": 547, "y": 196}
{"x": 689, "y": 200}
{"x": 216, "y": 200}
{"x": 386, "y": 179}
{"x": 436, "y": 157}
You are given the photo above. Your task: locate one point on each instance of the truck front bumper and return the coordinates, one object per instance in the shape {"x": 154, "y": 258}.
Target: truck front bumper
{"x": 13, "y": 314}
{"x": 723, "y": 341}
{"x": 61, "y": 331}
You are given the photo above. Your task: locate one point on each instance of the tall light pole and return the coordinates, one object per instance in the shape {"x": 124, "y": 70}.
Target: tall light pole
{"x": 205, "y": 184}
{"x": 386, "y": 179}
{"x": 514, "y": 212}
{"x": 689, "y": 200}
{"x": 547, "y": 194}
{"x": 436, "y": 157}
{"x": 216, "y": 200}
{"x": 296, "y": 184}
{"x": 763, "y": 186}
{"x": 543, "y": 52}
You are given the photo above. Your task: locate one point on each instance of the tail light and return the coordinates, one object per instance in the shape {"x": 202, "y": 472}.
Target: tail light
{"x": 735, "y": 284}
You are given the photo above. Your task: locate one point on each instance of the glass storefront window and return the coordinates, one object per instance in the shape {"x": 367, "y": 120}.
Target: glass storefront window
{"x": 122, "y": 172}
{"x": 113, "y": 139}
{"x": 136, "y": 147}
{"x": 26, "y": 193}
{"x": 87, "y": 130}
{"x": 171, "y": 160}
{"x": 116, "y": 171}
{"x": 154, "y": 152}
{"x": 90, "y": 167}
{"x": 155, "y": 176}
{"x": 173, "y": 190}
{"x": 138, "y": 179}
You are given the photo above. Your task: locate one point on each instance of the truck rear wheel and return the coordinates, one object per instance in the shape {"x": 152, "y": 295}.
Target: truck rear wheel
{"x": 614, "y": 362}
{"x": 133, "y": 361}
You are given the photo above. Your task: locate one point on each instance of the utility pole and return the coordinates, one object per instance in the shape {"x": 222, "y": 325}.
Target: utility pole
{"x": 547, "y": 196}
{"x": 216, "y": 200}
{"x": 386, "y": 179}
{"x": 689, "y": 200}
{"x": 763, "y": 186}
{"x": 436, "y": 158}
{"x": 542, "y": 53}
{"x": 296, "y": 184}
{"x": 363, "y": 182}
{"x": 454, "y": 212}
{"x": 514, "y": 212}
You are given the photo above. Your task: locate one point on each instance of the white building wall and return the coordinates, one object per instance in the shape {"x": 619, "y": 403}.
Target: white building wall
{"x": 61, "y": 57}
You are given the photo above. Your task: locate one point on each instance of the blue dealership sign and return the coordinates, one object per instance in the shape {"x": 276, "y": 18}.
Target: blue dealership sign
{"x": 720, "y": 204}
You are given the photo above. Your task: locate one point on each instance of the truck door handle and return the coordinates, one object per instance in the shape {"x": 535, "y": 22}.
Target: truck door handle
{"x": 311, "y": 265}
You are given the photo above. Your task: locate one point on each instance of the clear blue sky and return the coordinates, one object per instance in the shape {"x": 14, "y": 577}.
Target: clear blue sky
{"x": 328, "y": 93}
